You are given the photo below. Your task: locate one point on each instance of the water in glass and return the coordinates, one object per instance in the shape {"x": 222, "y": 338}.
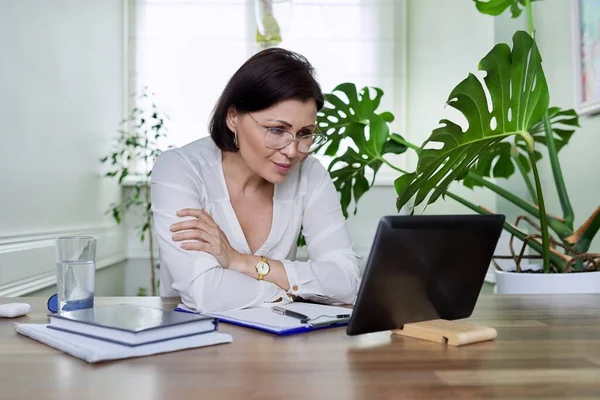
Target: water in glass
{"x": 75, "y": 284}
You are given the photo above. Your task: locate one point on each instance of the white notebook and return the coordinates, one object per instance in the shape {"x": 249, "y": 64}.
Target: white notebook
{"x": 95, "y": 350}
{"x": 263, "y": 318}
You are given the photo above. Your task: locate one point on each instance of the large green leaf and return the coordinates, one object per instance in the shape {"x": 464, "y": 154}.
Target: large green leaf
{"x": 354, "y": 122}
{"x": 518, "y": 91}
{"x": 498, "y": 161}
{"x": 497, "y": 7}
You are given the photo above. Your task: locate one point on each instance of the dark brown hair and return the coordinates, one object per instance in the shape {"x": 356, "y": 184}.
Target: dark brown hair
{"x": 268, "y": 77}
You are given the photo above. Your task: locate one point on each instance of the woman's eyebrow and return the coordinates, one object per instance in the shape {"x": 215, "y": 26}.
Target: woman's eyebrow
{"x": 288, "y": 124}
{"x": 281, "y": 122}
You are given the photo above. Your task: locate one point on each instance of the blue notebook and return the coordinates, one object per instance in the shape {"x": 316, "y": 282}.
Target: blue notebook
{"x": 264, "y": 319}
{"x": 131, "y": 325}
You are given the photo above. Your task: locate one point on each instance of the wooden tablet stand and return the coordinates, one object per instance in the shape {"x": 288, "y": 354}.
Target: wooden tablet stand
{"x": 453, "y": 333}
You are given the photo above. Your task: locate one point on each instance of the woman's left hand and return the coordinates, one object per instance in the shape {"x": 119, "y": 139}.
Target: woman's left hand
{"x": 204, "y": 235}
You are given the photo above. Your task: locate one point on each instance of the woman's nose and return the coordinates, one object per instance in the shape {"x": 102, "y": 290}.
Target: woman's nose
{"x": 291, "y": 149}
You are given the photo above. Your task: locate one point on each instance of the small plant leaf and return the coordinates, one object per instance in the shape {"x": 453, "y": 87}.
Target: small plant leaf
{"x": 497, "y": 7}
{"x": 301, "y": 241}
{"x": 124, "y": 173}
{"x": 116, "y": 213}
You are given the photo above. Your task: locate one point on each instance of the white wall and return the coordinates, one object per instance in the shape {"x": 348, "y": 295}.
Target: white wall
{"x": 553, "y": 21}
{"x": 61, "y": 98}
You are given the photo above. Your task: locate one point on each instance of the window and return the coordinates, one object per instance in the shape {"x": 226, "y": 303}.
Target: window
{"x": 346, "y": 41}
{"x": 185, "y": 51}
{"x": 358, "y": 41}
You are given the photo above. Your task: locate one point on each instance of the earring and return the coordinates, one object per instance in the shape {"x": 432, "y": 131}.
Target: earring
{"x": 235, "y": 140}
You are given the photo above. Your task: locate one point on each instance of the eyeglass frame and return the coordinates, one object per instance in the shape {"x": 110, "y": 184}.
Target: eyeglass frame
{"x": 294, "y": 138}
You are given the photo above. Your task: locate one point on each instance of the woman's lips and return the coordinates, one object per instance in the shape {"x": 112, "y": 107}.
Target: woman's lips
{"x": 282, "y": 167}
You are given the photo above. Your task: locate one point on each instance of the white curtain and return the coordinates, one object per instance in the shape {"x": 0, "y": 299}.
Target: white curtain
{"x": 185, "y": 51}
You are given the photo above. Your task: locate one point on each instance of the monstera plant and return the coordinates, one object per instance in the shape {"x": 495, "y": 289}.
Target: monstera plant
{"x": 358, "y": 121}
{"x": 509, "y": 118}
{"x": 355, "y": 124}
{"x": 519, "y": 94}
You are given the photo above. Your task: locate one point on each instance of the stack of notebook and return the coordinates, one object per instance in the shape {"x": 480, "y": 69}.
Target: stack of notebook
{"x": 124, "y": 330}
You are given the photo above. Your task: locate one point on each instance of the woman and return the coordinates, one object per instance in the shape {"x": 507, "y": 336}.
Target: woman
{"x": 228, "y": 208}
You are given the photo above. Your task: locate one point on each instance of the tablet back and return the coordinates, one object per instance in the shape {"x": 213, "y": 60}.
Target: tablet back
{"x": 424, "y": 267}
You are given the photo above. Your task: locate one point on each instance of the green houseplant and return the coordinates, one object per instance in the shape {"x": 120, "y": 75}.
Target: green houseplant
{"x": 137, "y": 146}
{"x": 498, "y": 143}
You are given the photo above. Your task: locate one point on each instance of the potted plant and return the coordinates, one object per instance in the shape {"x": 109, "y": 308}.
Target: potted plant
{"x": 497, "y": 144}
{"x": 137, "y": 146}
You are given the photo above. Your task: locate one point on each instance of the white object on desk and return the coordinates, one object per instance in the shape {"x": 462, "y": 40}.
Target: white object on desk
{"x": 13, "y": 310}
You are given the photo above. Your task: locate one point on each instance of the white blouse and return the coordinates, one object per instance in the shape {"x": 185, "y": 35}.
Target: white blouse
{"x": 192, "y": 177}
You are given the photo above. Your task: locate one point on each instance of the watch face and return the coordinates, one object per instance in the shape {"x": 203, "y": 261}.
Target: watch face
{"x": 262, "y": 268}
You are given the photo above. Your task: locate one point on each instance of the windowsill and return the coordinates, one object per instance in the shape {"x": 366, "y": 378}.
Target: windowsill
{"x": 134, "y": 180}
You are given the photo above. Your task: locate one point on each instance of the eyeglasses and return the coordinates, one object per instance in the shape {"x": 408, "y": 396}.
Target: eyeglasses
{"x": 277, "y": 138}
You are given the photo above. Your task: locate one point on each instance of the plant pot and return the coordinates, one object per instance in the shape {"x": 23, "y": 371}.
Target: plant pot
{"x": 540, "y": 283}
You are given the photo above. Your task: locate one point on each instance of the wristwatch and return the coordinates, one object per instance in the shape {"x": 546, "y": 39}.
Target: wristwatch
{"x": 262, "y": 268}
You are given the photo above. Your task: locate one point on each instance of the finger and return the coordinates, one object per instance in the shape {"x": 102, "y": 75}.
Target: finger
{"x": 205, "y": 217}
{"x": 192, "y": 224}
{"x": 184, "y": 225}
{"x": 195, "y": 246}
{"x": 194, "y": 230}
{"x": 193, "y": 235}
{"x": 189, "y": 212}
{"x": 198, "y": 213}
{"x": 209, "y": 224}
{"x": 211, "y": 229}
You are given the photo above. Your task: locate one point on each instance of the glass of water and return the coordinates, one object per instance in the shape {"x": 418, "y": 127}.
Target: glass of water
{"x": 75, "y": 272}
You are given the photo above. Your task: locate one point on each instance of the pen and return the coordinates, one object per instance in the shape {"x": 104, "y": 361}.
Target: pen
{"x": 280, "y": 310}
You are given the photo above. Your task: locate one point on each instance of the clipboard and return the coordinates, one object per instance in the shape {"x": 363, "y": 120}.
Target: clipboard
{"x": 263, "y": 319}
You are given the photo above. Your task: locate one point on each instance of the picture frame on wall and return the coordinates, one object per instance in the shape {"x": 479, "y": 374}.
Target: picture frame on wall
{"x": 586, "y": 38}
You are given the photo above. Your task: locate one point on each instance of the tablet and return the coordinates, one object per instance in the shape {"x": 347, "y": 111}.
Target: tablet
{"x": 422, "y": 268}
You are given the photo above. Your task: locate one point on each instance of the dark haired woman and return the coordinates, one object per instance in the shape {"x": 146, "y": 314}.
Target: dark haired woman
{"x": 228, "y": 208}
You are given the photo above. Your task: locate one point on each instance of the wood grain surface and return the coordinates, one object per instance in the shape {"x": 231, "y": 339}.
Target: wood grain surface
{"x": 548, "y": 347}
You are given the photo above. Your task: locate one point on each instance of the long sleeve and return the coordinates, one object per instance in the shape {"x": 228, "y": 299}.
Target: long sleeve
{"x": 332, "y": 273}
{"x": 197, "y": 276}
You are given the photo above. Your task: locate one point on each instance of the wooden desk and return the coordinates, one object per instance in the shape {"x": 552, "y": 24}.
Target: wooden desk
{"x": 547, "y": 348}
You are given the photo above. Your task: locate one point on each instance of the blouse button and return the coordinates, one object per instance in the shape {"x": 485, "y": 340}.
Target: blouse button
{"x": 295, "y": 287}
